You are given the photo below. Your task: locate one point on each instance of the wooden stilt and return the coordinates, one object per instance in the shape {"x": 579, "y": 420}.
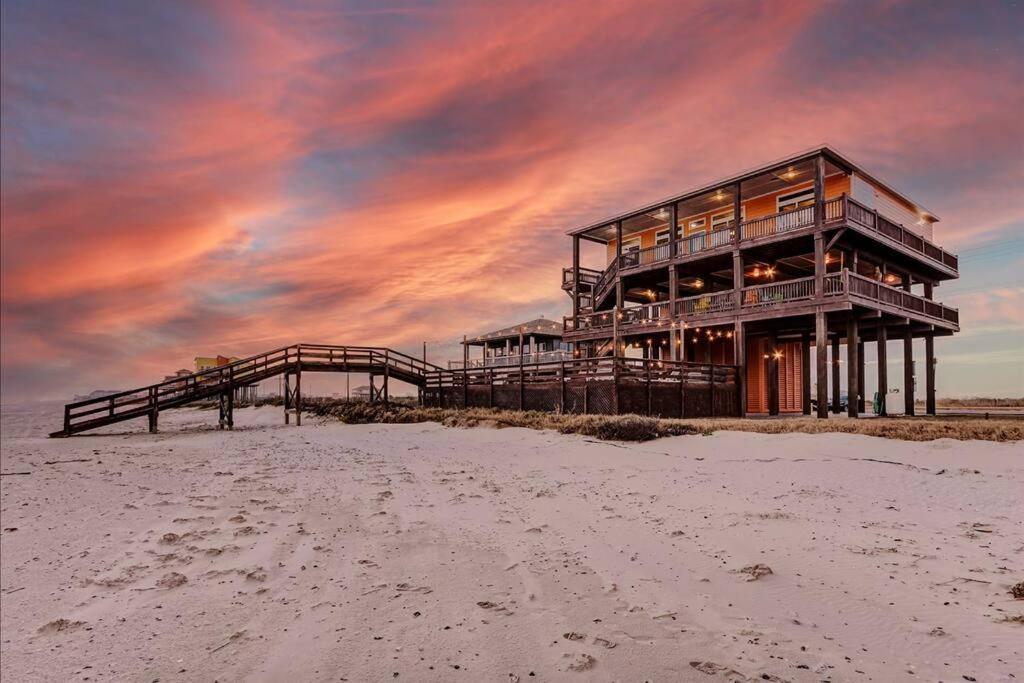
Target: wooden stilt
{"x": 835, "y": 375}
{"x": 860, "y": 376}
{"x": 740, "y": 352}
{"x": 908, "y": 372}
{"x": 883, "y": 370}
{"x": 773, "y": 375}
{"x": 805, "y": 372}
{"x": 853, "y": 363}
{"x": 929, "y": 373}
{"x": 287, "y": 397}
{"x": 821, "y": 350}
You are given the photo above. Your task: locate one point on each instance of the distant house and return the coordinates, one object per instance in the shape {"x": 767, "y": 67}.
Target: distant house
{"x": 541, "y": 341}
{"x": 207, "y": 363}
{"x": 361, "y": 393}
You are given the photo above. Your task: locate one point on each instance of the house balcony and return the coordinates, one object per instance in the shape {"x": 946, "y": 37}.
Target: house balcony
{"x": 843, "y": 289}
{"x": 512, "y": 360}
{"x": 842, "y": 211}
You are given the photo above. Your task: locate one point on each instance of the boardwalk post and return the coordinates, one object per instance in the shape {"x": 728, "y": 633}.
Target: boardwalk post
{"x": 740, "y": 358}
{"x": 298, "y": 395}
{"x": 648, "y": 368}
{"x": 387, "y": 375}
{"x": 711, "y": 384}
{"x": 287, "y": 396}
{"x": 821, "y": 351}
{"x": 853, "y": 366}
{"x": 153, "y": 412}
{"x": 908, "y": 372}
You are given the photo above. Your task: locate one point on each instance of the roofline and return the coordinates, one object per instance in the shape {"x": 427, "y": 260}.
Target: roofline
{"x": 825, "y": 149}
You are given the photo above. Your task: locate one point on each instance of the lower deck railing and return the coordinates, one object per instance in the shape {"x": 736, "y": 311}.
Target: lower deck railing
{"x": 605, "y": 385}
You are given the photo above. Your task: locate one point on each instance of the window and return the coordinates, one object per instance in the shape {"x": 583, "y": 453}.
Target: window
{"x": 794, "y": 200}
{"x": 662, "y": 237}
{"x": 697, "y": 224}
{"x": 720, "y": 220}
{"x": 632, "y": 244}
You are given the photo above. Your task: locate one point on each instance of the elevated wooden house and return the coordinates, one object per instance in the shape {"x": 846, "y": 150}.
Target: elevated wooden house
{"x": 756, "y": 270}
{"x": 534, "y": 341}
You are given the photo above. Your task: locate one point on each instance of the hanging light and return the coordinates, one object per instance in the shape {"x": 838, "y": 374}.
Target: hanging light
{"x": 777, "y": 354}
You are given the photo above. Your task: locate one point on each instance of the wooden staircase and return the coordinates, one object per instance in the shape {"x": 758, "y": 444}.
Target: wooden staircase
{"x": 220, "y": 383}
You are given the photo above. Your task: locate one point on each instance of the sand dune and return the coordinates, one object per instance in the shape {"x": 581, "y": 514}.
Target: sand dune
{"x": 417, "y": 552}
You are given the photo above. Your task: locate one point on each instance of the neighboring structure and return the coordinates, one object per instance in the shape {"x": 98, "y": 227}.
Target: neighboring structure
{"x": 755, "y": 269}
{"x": 535, "y": 341}
{"x": 204, "y": 363}
{"x": 362, "y": 393}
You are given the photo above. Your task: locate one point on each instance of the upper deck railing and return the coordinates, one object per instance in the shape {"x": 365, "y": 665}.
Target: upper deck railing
{"x": 836, "y": 210}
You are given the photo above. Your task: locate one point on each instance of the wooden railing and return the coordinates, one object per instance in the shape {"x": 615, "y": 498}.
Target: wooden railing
{"x": 868, "y": 218}
{"x": 96, "y": 412}
{"x": 777, "y": 292}
{"x": 588, "y": 276}
{"x": 645, "y": 256}
{"x": 859, "y": 285}
{"x": 511, "y": 360}
{"x": 784, "y": 221}
{"x": 713, "y": 302}
{"x": 706, "y": 241}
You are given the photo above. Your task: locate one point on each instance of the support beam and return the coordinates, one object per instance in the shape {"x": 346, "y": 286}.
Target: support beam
{"x": 883, "y": 370}
{"x": 575, "y": 285}
{"x": 737, "y": 211}
{"x": 673, "y": 292}
{"x": 819, "y": 265}
{"x": 821, "y": 351}
{"x": 805, "y": 372}
{"x": 908, "y": 372}
{"x": 737, "y": 276}
{"x": 835, "y": 375}
{"x": 740, "y": 355}
{"x": 929, "y": 373}
{"x": 773, "y": 375}
{"x": 861, "y": 388}
{"x": 853, "y": 369}
{"x": 673, "y": 226}
{"x": 819, "y": 192}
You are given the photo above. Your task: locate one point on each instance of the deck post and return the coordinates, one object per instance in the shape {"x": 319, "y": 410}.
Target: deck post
{"x": 929, "y": 373}
{"x": 773, "y": 375}
{"x": 805, "y": 372}
{"x": 737, "y": 211}
{"x": 861, "y": 387}
{"x": 740, "y": 356}
{"x": 883, "y": 370}
{"x": 615, "y": 385}
{"x": 821, "y": 351}
{"x": 561, "y": 387}
{"x": 711, "y": 388}
{"x": 387, "y": 375}
{"x": 648, "y": 368}
{"x": 673, "y": 290}
{"x": 673, "y": 237}
{"x": 835, "y": 375}
{"x": 819, "y": 265}
{"x": 819, "y": 191}
{"x": 737, "y": 276}
{"x": 853, "y": 366}
{"x": 298, "y": 395}
{"x": 908, "y": 372}
{"x": 576, "y": 283}
{"x": 522, "y": 389}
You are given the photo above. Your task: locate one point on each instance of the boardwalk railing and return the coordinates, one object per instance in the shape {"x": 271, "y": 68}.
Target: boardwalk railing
{"x": 605, "y": 385}
{"x": 512, "y": 360}
{"x": 149, "y": 400}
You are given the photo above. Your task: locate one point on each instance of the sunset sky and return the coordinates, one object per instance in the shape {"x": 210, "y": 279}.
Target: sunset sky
{"x": 183, "y": 179}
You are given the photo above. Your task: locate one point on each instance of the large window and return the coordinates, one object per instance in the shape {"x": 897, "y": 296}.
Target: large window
{"x": 663, "y": 237}
{"x": 631, "y": 244}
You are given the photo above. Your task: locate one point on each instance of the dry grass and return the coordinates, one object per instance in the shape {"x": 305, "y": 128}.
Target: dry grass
{"x": 638, "y": 428}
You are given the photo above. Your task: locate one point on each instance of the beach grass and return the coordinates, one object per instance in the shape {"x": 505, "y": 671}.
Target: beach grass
{"x": 641, "y": 428}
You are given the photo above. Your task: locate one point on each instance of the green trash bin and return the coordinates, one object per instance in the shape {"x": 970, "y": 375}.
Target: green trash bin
{"x": 876, "y": 405}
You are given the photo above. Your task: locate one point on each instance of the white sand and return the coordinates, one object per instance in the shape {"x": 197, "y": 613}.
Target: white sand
{"x": 418, "y": 552}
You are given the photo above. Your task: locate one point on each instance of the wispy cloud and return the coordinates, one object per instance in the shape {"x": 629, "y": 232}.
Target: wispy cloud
{"x": 179, "y": 180}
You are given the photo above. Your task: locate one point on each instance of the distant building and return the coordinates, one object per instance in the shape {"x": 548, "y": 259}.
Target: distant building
{"x": 361, "y": 393}
{"x": 541, "y": 341}
{"x": 207, "y": 363}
